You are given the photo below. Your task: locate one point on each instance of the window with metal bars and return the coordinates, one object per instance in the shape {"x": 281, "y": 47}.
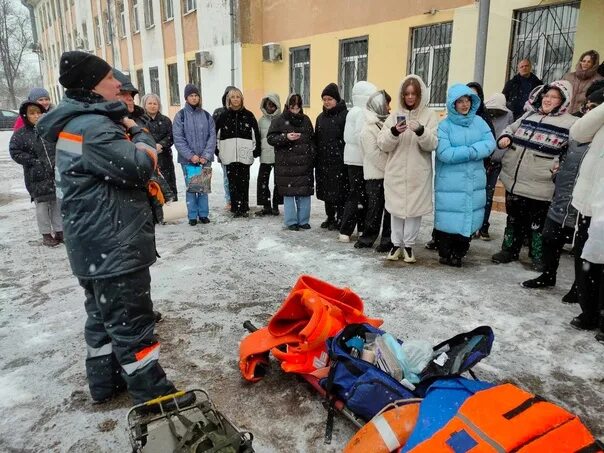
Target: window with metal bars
{"x": 430, "y": 52}
{"x": 353, "y": 65}
{"x": 140, "y": 82}
{"x": 299, "y": 73}
{"x": 173, "y": 83}
{"x": 154, "y": 80}
{"x": 194, "y": 73}
{"x": 546, "y": 36}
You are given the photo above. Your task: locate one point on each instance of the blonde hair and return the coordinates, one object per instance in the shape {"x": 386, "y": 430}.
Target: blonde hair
{"x": 231, "y": 92}
{"x": 148, "y": 96}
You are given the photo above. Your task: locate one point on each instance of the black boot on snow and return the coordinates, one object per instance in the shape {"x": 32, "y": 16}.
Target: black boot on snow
{"x": 503, "y": 257}
{"x": 327, "y": 223}
{"x": 571, "y": 296}
{"x": 543, "y": 281}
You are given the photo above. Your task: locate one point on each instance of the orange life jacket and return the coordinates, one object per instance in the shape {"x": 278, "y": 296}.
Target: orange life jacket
{"x": 505, "y": 418}
{"x": 313, "y": 311}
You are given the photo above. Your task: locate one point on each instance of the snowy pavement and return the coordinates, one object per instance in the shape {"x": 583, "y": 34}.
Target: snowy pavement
{"x": 213, "y": 277}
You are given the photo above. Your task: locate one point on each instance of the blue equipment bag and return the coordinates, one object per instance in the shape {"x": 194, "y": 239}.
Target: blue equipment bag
{"x": 365, "y": 389}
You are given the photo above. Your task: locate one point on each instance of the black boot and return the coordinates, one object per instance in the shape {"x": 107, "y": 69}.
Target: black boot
{"x": 543, "y": 281}
{"x": 328, "y": 223}
{"x": 571, "y": 296}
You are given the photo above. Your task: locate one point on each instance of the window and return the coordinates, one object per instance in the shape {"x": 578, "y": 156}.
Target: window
{"x": 167, "y": 9}
{"x": 546, "y": 36}
{"x": 353, "y": 65}
{"x": 121, "y": 26}
{"x": 299, "y": 73}
{"x": 173, "y": 81}
{"x": 108, "y": 37}
{"x": 431, "y": 48}
{"x": 97, "y": 32}
{"x": 85, "y": 35}
{"x": 189, "y": 5}
{"x": 194, "y": 73}
{"x": 154, "y": 76}
{"x": 148, "y": 10}
{"x": 140, "y": 82}
{"x": 135, "y": 25}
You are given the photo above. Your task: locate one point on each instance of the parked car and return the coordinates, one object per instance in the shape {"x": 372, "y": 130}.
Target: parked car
{"x": 8, "y": 119}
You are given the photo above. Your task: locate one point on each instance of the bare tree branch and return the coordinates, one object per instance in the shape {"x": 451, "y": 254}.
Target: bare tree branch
{"x": 15, "y": 37}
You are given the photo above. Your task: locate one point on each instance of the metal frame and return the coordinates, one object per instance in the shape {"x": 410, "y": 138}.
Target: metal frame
{"x": 355, "y": 58}
{"x": 292, "y": 65}
{"x": 543, "y": 39}
{"x": 429, "y": 49}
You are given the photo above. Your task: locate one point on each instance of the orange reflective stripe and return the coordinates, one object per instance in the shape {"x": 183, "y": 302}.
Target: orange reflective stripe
{"x": 72, "y": 137}
{"x": 140, "y": 355}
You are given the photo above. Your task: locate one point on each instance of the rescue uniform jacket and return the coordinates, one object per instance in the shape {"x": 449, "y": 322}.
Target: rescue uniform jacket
{"x": 101, "y": 177}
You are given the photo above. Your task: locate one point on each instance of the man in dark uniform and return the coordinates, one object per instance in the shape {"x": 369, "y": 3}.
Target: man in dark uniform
{"x": 101, "y": 177}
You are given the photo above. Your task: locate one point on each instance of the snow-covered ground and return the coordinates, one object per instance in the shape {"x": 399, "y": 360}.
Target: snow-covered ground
{"x": 213, "y": 277}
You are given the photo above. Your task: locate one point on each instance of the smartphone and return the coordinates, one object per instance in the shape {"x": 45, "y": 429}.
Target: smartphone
{"x": 401, "y": 119}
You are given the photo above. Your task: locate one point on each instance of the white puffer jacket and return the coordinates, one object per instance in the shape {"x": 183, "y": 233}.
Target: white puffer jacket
{"x": 374, "y": 160}
{"x": 355, "y": 122}
{"x": 590, "y": 128}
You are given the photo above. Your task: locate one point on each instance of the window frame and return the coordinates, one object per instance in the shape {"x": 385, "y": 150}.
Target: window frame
{"x": 140, "y": 82}
{"x": 192, "y": 64}
{"x": 354, "y": 58}
{"x": 430, "y": 50}
{"x": 97, "y": 32}
{"x": 186, "y": 8}
{"x": 542, "y": 41}
{"x": 148, "y": 14}
{"x": 165, "y": 10}
{"x": 293, "y": 64}
{"x": 174, "y": 96}
{"x": 154, "y": 81}
{"x": 136, "y": 26}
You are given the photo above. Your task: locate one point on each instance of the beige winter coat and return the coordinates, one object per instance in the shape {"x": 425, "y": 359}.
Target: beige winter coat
{"x": 374, "y": 160}
{"x": 408, "y": 173}
{"x": 590, "y": 128}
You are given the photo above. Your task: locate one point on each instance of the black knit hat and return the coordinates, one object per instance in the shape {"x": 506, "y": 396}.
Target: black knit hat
{"x": 81, "y": 70}
{"x": 597, "y": 96}
{"x": 191, "y": 89}
{"x": 333, "y": 91}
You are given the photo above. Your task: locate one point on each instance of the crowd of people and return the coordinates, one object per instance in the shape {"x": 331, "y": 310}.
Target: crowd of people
{"x": 107, "y": 165}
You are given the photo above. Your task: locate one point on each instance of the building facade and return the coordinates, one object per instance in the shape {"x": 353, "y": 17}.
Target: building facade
{"x": 286, "y": 45}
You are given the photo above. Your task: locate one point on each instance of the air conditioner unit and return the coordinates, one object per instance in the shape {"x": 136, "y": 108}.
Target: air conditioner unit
{"x": 203, "y": 59}
{"x": 271, "y": 52}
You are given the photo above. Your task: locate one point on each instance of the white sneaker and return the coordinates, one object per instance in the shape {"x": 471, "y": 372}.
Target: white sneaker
{"x": 394, "y": 254}
{"x": 408, "y": 255}
{"x": 344, "y": 238}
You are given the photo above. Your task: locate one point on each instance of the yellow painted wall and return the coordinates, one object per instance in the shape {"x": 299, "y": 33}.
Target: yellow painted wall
{"x": 589, "y": 29}
{"x": 253, "y": 86}
{"x": 387, "y": 58}
{"x": 463, "y": 44}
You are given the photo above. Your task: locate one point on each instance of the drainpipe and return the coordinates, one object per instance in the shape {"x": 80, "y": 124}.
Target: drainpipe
{"x": 232, "y": 13}
{"x": 481, "y": 40}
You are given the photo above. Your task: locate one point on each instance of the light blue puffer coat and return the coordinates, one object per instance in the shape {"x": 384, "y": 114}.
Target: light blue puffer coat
{"x": 460, "y": 181}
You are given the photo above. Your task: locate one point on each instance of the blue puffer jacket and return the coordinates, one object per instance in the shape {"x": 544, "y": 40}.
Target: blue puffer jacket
{"x": 460, "y": 181}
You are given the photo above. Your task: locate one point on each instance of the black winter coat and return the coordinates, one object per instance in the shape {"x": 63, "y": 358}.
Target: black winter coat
{"x": 237, "y": 132}
{"x": 332, "y": 181}
{"x": 514, "y": 96}
{"x": 294, "y": 160}
{"x": 102, "y": 179}
{"x": 37, "y": 156}
{"x": 160, "y": 129}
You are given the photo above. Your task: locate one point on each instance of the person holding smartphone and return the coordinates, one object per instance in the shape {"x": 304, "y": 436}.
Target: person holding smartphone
{"x": 408, "y": 137}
